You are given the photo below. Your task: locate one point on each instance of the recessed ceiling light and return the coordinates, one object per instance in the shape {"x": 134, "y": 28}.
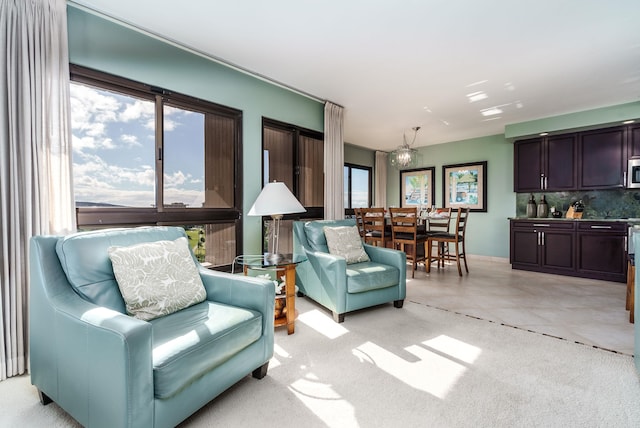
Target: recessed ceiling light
{"x": 477, "y": 96}
{"x": 626, "y": 122}
{"x": 544, "y": 134}
{"x": 490, "y": 111}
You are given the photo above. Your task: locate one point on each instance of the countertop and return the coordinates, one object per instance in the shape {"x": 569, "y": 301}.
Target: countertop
{"x": 618, "y": 220}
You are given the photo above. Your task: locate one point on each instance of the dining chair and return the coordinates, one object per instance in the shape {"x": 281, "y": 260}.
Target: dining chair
{"x": 373, "y": 223}
{"x": 359, "y": 223}
{"x": 457, "y": 238}
{"x": 407, "y": 237}
{"x": 438, "y": 220}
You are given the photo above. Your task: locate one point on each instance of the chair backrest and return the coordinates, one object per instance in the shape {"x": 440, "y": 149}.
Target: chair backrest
{"x": 404, "y": 224}
{"x": 313, "y": 232}
{"x": 85, "y": 260}
{"x": 359, "y": 221}
{"x": 373, "y": 222}
{"x": 461, "y": 221}
{"x": 439, "y": 220}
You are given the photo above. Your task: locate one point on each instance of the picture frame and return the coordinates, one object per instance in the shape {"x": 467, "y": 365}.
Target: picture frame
{"x": 465, "y": 185}
{"x": 417, "y": 187}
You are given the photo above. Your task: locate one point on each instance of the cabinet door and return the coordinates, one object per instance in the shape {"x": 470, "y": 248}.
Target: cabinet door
{"x": 602, "y": 159}
{"x": 524, "y": 247}
{"x": 527, "y": 164}
{"x": 558, "y": 250}
{"x": 634, "y": 142}
{"x": 601, "y": 251}
{"x": 560, "y": 156}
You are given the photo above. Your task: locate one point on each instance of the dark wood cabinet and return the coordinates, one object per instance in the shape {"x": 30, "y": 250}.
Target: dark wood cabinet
{"x": 527, "y": 165}
{"x": 602, "y": 159}
{"x": 546, "y": 164}
{"x": 578, "y": 248}
{"x": 543, "y": 246}
{"x": 634, "y": 142}
{"x": 602, "y": 250}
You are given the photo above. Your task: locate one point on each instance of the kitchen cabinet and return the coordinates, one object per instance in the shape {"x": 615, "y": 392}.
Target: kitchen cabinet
{"x": 634, "y": 142}
{"x": 602, "y": 159}
{"x": 587, "y": 249}
{"x": 543, "y": 246}
{"x": 545, "y": 164}
{"x": 602, "y": 250}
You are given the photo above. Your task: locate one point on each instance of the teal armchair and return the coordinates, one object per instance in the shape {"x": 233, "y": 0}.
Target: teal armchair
{"x": 342, "y": 287}
{"x": 108, "y": 369}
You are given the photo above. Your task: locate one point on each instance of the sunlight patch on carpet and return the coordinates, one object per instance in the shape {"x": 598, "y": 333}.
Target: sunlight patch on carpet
{"x": 433, "y": 372}
{"x": 321, "y": 399}
{"x": 454, "y": 347}
{"x": 322, "y": 324}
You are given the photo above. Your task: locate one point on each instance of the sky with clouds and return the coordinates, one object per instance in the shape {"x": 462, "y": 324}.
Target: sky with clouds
{"x": 114, "y": 150}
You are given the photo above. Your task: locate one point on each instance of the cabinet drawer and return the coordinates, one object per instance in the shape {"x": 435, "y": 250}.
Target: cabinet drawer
{"x": 541, "y": 224}
{"x": 603, "y": 226}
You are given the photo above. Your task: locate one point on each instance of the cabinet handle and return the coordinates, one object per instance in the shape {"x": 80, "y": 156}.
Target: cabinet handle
{"x": 541, "y": 181}
{"x": 539, "y": 233}
{"x": 600, "y": 227}
{"x": 542, "y": 238}
{"x": 626, "y": 244}
{"x": 545, "y": 182}
{"x": 624, "y": 179}
{"x": 541, "y": 225}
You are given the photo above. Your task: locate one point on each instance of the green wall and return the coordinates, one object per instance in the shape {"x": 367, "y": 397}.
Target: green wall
{"x": 596, "y": 118}
{"x": 487, "y": 232}
{"x": 104, "y": 45}
{"x": 359, "y": 155}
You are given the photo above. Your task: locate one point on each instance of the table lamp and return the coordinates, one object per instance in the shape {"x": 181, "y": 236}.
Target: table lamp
{"x": 275, "y": 200}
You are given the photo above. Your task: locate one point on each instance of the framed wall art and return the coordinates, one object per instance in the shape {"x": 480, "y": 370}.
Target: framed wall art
{"x": 417, "y": 187}
{"x": 465, "y": 185}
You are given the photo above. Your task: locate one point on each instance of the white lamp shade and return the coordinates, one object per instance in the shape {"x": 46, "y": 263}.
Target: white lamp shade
{"x": 275, "y": 199}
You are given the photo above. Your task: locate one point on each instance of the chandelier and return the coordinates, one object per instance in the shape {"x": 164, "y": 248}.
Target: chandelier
{"x": 404, "y": 156}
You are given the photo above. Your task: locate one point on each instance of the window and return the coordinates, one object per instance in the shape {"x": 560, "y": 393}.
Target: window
{"x": 146, "y": 156}
{"x": 357, "y": 187}
{"x": 294, "y": 156}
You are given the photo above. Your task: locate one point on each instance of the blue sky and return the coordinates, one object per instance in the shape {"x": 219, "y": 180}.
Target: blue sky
{"x": 114, "y": 150}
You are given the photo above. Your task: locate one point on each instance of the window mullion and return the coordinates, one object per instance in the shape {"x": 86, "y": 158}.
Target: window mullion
{"x": 159, "y": 124}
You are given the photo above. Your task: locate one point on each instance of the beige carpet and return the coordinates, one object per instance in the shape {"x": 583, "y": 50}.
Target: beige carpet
{"x": 411, "y": 367}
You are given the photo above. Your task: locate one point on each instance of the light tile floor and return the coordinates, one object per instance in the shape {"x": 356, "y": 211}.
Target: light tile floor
{"x": 577, "y": 309}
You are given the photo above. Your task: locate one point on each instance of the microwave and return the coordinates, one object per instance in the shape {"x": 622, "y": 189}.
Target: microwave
{"x": 633, "y": 174}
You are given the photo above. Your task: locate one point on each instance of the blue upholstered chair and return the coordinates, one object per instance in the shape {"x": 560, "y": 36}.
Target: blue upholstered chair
{"x": 108, "y": 369}
{"x": 342, "y": 287}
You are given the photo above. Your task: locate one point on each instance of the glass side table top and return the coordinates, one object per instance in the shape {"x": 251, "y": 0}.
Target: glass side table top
{"x": 269, "y": 260}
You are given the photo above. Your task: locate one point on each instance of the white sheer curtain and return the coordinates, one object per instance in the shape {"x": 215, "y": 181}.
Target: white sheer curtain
{"x": 36, "y": 194}
{"x": 382, "y": 159}
{"x": 333, "y": 162}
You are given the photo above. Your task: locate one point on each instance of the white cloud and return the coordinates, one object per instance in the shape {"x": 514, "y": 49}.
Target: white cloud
{"x": 175, "y": 179}
{"x": 139, "y": 110}
{"x": 130, "y": 140}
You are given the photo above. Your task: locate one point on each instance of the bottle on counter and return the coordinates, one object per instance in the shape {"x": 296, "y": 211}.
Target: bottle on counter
{"x": 531, "y": 207}
{"x": 543, "y": 208}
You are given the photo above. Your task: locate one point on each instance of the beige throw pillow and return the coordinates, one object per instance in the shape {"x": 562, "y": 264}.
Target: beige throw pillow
{"x": 345, "y": 241}
{"x": 157, "y": 278}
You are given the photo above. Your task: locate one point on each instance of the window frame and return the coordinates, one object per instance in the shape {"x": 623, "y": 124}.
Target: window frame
{"x": 100, "y": 217}
{"x": 348, "y": 210}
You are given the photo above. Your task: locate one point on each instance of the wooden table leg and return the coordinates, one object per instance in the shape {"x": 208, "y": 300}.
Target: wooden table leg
{"x": 290, "y": 292}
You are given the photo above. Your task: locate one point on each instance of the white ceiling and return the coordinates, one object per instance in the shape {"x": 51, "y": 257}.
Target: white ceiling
{"x": 398, "y": 64}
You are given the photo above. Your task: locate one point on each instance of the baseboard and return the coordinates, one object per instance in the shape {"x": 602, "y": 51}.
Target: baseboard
{"x": 490, "y": 258}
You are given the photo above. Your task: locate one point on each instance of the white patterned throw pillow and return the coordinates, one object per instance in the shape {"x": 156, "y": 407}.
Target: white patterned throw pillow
{"x": 345, "y": 241}
{"x": 157, "y": 278}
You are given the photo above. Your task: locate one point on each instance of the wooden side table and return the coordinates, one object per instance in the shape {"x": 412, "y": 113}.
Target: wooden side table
{"x": 283, "y": 263}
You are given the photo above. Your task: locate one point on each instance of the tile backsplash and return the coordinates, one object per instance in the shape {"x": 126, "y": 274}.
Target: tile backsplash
{"x": 618, "y": 203}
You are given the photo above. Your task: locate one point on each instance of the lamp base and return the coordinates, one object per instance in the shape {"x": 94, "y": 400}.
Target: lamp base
{"x": 273, "y": 258}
